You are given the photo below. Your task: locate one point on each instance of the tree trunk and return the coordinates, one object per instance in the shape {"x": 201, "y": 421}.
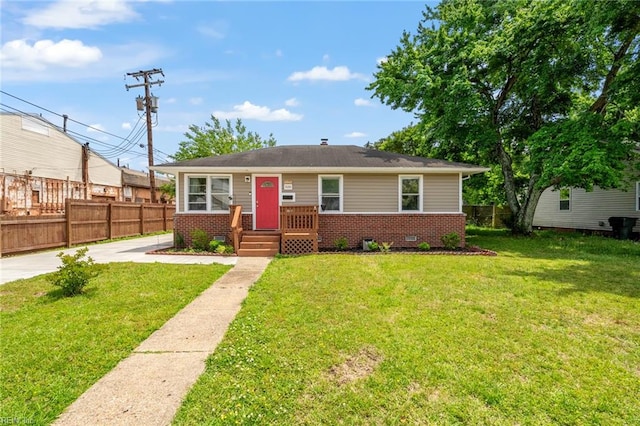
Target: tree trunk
{"x": 523, "y": 218}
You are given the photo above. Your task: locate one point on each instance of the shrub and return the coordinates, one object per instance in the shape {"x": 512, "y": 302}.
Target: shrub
{"x": 199, "y": 240}
{"x": 450, "y": 241}
{"x": 221, "y": 249}
{"x": 178, "y": 241}
{"x": 341, "y": 243}
{"x": 74, "y": 273}
{"x": 228, "y": 250}
{"x": 373, "y": 246}
{"x": 386, "y": 247}
{"x": 424, "y": 246}
{"x": 214, "y": 244}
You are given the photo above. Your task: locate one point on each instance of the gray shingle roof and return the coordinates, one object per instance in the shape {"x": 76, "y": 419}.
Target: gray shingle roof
{"x": 318, "y": 156}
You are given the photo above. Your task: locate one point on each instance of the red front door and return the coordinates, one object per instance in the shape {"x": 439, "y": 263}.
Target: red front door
{"x": 267, "y": 202}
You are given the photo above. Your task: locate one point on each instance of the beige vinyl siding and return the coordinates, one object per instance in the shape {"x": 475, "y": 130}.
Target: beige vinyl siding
{"x": 587, "y": 209}
{"x": 370, "y": 193}
{"x": 305, "y": 186}
{"x": 52, "y": 155}
{"x": 441, "y": 193}
{"x": 242, "y": 192}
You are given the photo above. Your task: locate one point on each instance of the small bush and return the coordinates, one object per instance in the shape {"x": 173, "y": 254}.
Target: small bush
{"x": 199, "y": 240}
{"x": 341, "y": 243}
{"x": 228, "y": 250}
{"x": 424, "y": 246}
{"x": 386, "y": 247}
{"x": 221, "y": 249}
{"x": 373, "y": 246}
{"x": 450, "y": 241}
{"x": 178, "y": 240}
{"x": 214, "y": 244}
{"x": 74, "y": 273}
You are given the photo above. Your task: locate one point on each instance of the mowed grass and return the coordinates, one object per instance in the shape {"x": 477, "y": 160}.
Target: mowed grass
{"x": 52, "y": 349}
{"x": 547, "y": 332}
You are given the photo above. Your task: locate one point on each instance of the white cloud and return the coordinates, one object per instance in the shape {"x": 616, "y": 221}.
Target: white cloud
{"x": 381, "y": 60}
{"x": 249, "y": 111}
{"x": 73, "y": 61}
{"x": 65, "y": 53}
{"x": 325, "y": 57}
{"x": 77, "y": 14}
{"x": 170, "y": 101}
{"x": 362, "y": 102}
{"x": 340, "y": 73}
{"x": 196, "y": 101}
{"x": 293, "y": 102}
{"x": 355, "y": 135}
{"x": 126, "y": 126}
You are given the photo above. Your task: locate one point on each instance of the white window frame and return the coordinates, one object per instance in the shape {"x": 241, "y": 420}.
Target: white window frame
{"x": 420, "y": 193}
{"x": 208, "y": 193}
{"x": 560, "y": 199}
{"x": 340, "y": 195}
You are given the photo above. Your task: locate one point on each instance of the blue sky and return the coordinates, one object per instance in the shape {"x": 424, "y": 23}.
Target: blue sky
{"x": 297, "y": 70}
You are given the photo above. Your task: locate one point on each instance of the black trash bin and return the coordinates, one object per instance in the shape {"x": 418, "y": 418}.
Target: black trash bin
{"x": 622, "y": 226}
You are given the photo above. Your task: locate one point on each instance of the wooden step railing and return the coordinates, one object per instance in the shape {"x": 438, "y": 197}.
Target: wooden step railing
{"x": 299, "y": 226}
{"x": 235, "y": 216}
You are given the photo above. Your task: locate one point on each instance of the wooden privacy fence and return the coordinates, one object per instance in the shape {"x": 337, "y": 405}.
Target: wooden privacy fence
{"x": 83, "y": 222}
{"x": 489, "y": 216}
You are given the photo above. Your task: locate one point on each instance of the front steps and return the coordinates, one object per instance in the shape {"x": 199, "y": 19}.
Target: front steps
{"x": 259, "y": 244}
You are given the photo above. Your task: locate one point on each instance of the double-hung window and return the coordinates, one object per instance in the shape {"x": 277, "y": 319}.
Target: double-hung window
{"x": 330, "y": 191}
{"x": 410, "y": 193}
{"x": 565, "y": 199}
{"x": 208, "y": 193}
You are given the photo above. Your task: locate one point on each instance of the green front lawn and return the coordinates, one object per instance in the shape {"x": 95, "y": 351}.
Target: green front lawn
{"x": 547, "y": 332}
{"x": 53, "y": 349}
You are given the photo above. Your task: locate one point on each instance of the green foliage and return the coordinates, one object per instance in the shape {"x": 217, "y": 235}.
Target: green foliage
{"x": 545, "y": 93}
{"x": 341, "y": 243}
{"x": 424, "y": 246}
{"x": 74, "y": 273}
{"x": 450, "y": 241}
{"x": 228, "y": 250}
{"x": 179, "y": 240}
{"x": 214, "y": 244}
{"x": 199, "y": 240}
{"x": 215, "y": 139}
{"x": 385, "y": 247}
{"x": 373, "y": 246}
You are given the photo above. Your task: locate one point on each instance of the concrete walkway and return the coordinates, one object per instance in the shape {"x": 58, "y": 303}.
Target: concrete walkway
{"x": 131, "y": 250}
{"x": 148, "y": 387}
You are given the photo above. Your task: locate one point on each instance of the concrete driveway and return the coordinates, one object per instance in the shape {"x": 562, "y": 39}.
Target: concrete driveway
{"x": 132, "y": 250}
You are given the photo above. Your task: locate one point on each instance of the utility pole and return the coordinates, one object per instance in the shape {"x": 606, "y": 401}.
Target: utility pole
{"x": 150, "y": 104}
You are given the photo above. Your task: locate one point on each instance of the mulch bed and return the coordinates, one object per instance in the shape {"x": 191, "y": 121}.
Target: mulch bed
{"x": 466, "y": 251}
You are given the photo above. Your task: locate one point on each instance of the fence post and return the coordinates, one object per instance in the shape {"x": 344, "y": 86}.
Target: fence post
{"x": 164, "y": 218}
{"x": 493, "y": 217}
{"x": 67, "y": 213}
{"x": 141, "y": 218}
{"x": 110, "y": 220}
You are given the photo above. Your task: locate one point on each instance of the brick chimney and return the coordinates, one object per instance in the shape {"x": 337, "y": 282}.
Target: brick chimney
{"x": 324, "y": 141}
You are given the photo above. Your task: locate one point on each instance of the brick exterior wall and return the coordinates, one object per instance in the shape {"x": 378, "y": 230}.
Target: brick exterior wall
{"x": 381, "y": 227}
{"x": 390, "y": 228}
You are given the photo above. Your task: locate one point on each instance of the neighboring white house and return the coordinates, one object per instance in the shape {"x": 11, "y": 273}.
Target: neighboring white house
{"x": 41, "y": 166}
{"x": 573, "y": 208}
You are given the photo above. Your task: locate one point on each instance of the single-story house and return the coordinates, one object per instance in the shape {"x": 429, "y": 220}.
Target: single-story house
{"x": 577, "y": 209}
{"x": 320, "y": 194}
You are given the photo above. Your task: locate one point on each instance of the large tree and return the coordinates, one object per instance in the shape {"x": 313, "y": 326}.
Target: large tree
{"x": 546, "y": 91}
{"x": 215, "y": 139}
